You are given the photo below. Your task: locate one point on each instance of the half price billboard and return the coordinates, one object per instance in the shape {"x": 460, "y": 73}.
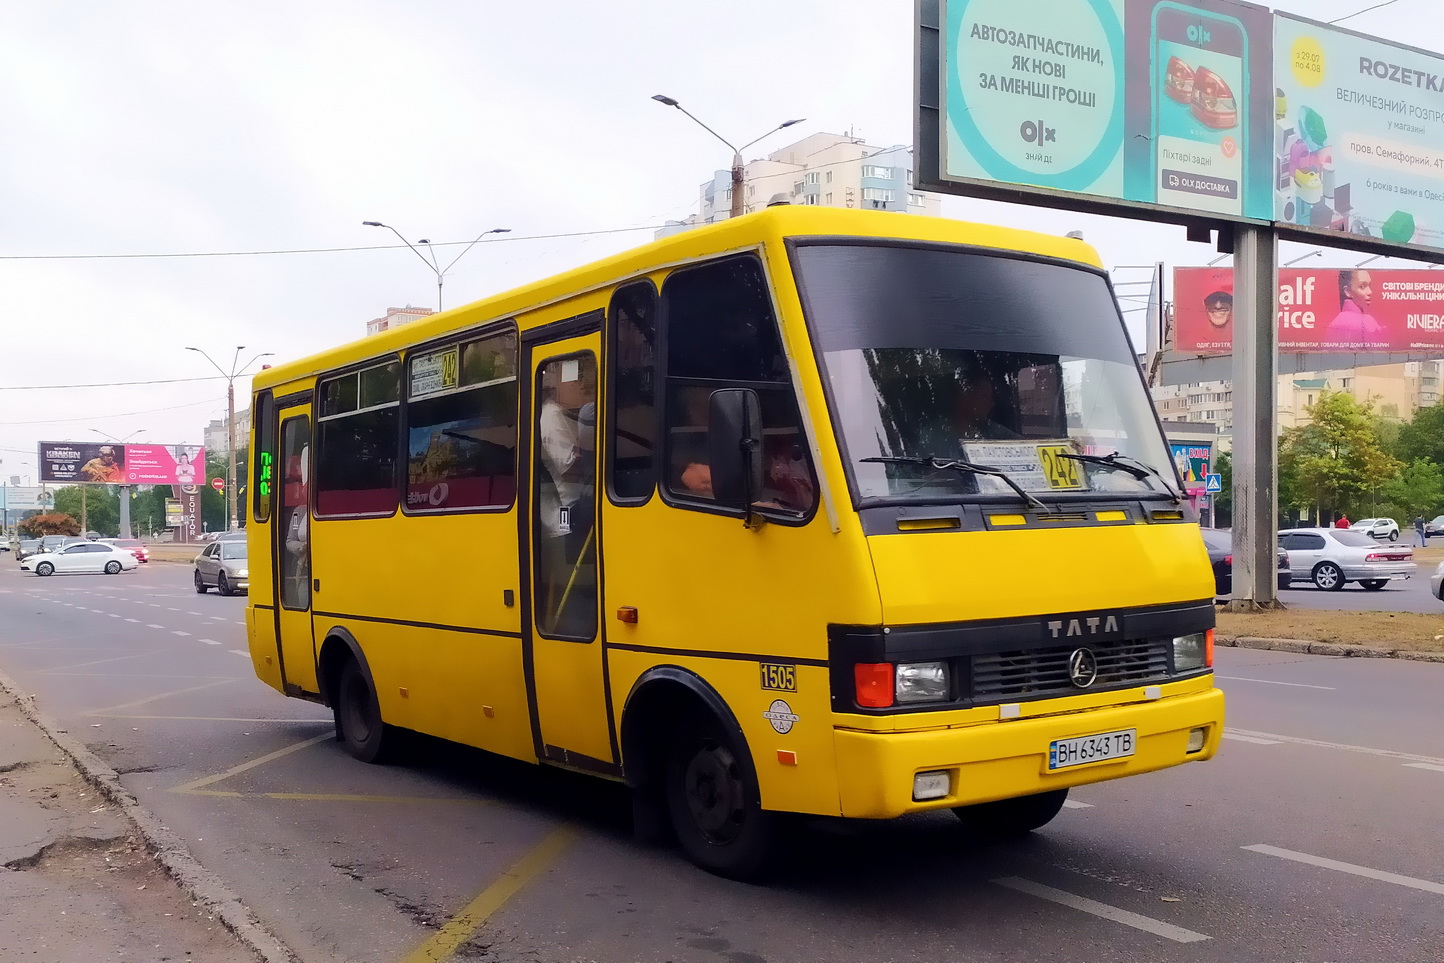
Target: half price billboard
{"x": 1319, "y": 311}
{"x": 97, "y": 463}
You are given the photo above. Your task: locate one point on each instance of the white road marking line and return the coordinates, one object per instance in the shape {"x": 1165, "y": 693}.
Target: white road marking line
{"x": 1296, "y": 685}
{"x": 168, "y": 609}
{"x": 1424, "y": 765}
{"x": 1378, "y": 874}
{"x": 240, "y": 623}
{"x": 179, "y": 632}
{"x": 220, "y": 618}
{"x": 1258, "y": 742}
{"x": 1320, "y": 744}
{"x": 112, "y": 615}
{"x": 137, "y": 621}
{"x": 210, "y": 641}
{"x": 1074, "y": 804}
{"x": 1148, "y": 925}
{"x": 241, "y": 652}
{"x": 192, "y": 613}
{"x": 152, "y": 625}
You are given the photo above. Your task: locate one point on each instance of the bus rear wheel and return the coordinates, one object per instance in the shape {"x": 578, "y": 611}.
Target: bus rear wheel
{"x": 358, "y": 717}
{"x": 714, "y": 804}
{"x": 1012, "y": 817}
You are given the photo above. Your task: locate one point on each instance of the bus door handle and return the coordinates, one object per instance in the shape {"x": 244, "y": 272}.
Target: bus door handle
{"x": 315, "y": 585}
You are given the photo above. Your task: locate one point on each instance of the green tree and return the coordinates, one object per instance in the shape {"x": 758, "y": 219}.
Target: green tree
{"x": 1223, "y": 501}
{"x": 1336, "y": 462}
{"x": 101, "y": 512}
{"x": 1418, "y": 491}
{"x": 1423, "y": 437}
{"x": 147, "y": 510}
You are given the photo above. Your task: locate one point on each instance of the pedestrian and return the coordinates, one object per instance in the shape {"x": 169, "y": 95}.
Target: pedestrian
{"x": 1343, "y": 521}
{"x": 1419, "y": 527}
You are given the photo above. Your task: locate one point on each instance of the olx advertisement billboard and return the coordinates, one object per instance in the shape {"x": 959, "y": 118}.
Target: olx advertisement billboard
{"x": 1358, "y": 135}
{"x": 1144, "y": 102}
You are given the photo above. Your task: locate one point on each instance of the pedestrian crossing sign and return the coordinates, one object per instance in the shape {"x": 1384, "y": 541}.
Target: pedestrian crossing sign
{"x": 1213, "y": 484}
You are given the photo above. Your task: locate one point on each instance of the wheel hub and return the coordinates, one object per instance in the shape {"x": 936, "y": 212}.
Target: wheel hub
{"x": 715, "y": 793}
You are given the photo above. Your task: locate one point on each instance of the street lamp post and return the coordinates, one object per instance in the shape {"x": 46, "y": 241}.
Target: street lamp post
{"x": 1303, "y": 257}
{"x": 232, "y": 522}
{"x": 124, "y": 488}
{"x": 736, "y": 151}
{"x": 432, "y": 263}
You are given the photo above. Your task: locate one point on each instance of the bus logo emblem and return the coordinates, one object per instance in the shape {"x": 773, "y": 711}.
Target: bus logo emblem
{"x": 781, "y": 716}
{"x": 1082, "y": 668}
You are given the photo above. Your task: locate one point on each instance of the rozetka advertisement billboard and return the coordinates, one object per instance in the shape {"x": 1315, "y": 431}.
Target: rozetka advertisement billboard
{"x": 1358, "y": 135}
{"x": 1146, "y": 102}
{"x": 97, "y": 463}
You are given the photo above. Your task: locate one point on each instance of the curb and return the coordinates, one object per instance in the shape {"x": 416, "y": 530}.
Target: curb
{"x": 165, "y": 846}
{"x": 1310, "y": 647}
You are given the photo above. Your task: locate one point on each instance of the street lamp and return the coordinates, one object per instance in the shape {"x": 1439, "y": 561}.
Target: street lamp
{"x": 1217, "y": 259}
{"x": 736, "y": 151}
{"x": 230, "y": 376}
{"x": 1371, "y": 260}
{"x": 431, "y": 262}
{"x": 1305, "y": 257}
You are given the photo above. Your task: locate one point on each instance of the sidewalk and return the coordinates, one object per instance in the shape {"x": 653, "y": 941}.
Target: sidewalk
{"x": 78, "y": 882}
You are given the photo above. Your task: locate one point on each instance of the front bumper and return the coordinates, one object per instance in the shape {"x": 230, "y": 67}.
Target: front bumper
{"x": 1001, "y": 760}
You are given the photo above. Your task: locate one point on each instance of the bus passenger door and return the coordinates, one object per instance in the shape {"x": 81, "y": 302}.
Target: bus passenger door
{"x": 291, "y": 552}
{"x": 563, "y": 653}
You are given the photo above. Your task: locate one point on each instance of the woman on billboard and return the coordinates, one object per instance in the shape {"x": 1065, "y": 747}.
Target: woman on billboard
{"x": 185, "y": 472}
{"x": 1353, "y": 324}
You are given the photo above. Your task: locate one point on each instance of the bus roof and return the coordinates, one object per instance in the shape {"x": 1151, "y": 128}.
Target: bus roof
{"x": 769, "y": 224}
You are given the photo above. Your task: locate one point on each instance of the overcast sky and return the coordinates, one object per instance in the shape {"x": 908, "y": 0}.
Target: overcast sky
{"x": 161, "y": 127}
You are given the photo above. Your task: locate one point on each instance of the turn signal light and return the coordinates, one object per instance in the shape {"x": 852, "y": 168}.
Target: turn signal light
{"x": 1208, "y": 648}
{"x": 874, "y": 684}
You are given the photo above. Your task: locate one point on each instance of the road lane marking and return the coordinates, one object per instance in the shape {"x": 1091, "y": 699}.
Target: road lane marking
{"x": 152, "y": 625}
{"x": 1074, "y": 804}
{"x": 136, "y": 621}
{"x": 237, "y": 770}
{"x": 192, "y": 613}
{"x": 163, "y": 695}
{"x": 1320, "y": 744}
{"x": 336, "y": 796}
{"x": 1424, "y": 765}
{"x": 219, "y": 618}
{"x": 289, "y": 722}
{"x": 112, "y": 615}
{"x": 241, "y": 652}
{"x": 179, "y": 632}
{"x": 463, "y": 925}
{"x": 1383, "y": 876}
{"x": 210, "y": 641}
{"x": 1145, "y": 923}
{"x": 1296, "y": 685}
{"x": 1258, "y": 742}
{"x": 82, "y": 665}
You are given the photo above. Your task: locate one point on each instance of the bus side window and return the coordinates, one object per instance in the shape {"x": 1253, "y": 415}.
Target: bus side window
{"x": 632, "y": 418}
{"x": 722, "y": 333}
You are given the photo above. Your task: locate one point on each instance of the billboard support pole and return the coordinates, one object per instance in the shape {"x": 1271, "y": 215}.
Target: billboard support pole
{"x": 1255, "y": 449}
{"x": 125, "y": 511}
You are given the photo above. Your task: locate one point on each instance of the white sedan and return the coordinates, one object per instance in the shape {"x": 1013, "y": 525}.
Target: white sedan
{"x": 81, "y": 557}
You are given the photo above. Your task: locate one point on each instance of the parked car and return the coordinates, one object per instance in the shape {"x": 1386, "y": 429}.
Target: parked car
{"x": 1436, "y": 582}
{"x": 1333, "y": 557}
{"x": 26, "y": 546}
{"x": 224, "y": 565}
{"x": 1434, "y": 527}
{"x": 1220, "y": 555}
{"x": 132, "y": 545}
{"x": 1378, "y": 528}
{"x": 84, "y": 556}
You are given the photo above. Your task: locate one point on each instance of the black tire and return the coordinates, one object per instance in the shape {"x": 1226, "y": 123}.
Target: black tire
{"x": 200, "y": 583}
{"x": 223, "y": 584}
{"x": 358, "y": 717}
{"x": 1012, "y": 817}
{"x": 1374, "y": 584}
{"x": 1328, "y": 576}
{"x": 714, "y": 803}
{"x": 112, "y": 568}
{"x": 44, "y": 568}
{"x": 1394, "y": 535}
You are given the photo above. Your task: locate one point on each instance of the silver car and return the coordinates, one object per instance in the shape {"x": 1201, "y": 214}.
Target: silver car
{"x": 224, "y": 565}
{"x": 1436, "y": 582}
{"x": 1332, "y": 557}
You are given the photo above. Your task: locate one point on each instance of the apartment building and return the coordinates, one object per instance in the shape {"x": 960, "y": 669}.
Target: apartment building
{"x": 395, "y": 318}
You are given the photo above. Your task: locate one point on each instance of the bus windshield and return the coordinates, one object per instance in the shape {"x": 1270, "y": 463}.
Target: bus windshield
{"x": 935, "y": 356}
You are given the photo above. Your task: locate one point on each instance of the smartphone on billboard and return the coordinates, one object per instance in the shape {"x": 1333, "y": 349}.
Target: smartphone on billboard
{"x": 1200, "y": 113}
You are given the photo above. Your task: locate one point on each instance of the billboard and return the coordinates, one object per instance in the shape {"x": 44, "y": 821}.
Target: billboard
{"x": 1319, "y": 311}
{"x": 1149, "y": 103}
{"x": 24, "y": 498}
{"x": 174, "y": 513}
{"x": 1358, "y": 148}
{"x": 1192, "y": 462}
{"x": 101, "y": 463}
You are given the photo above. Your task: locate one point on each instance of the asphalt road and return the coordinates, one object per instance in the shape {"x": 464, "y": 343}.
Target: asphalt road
{"x": 1407, "y": 595}
{"x": 1313, "y": 837}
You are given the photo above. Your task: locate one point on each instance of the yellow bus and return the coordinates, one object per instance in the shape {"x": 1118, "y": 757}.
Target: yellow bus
{"x": 812, "y": 511}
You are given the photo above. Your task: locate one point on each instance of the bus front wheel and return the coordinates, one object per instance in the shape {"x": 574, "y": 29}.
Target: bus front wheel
{"x": 358, "y": 717}
{"x": 1012, "y": 817}
{"x": 714, "y": 804}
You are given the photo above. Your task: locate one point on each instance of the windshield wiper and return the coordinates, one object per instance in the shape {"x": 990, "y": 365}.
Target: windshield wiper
{"x": 954, "y": 464}
{"x": 1138, "y": 469}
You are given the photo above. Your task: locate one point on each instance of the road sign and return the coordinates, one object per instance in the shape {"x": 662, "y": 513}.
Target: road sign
{"x": 218, "y": 484}
{"x": 1213, "y": 484}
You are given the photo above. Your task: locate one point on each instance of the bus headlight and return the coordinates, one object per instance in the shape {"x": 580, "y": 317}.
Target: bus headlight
{"x": 1191, "y": 652}
{"x": 922, "y": 682}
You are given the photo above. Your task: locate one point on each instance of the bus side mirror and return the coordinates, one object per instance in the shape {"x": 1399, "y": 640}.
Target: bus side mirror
{"x": 734, "y": 441}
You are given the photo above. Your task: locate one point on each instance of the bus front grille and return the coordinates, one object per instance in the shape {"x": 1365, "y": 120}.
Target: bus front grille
{"x": 1043, "y": 672}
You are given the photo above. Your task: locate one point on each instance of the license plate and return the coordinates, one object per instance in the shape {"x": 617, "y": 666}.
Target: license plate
{"x": 1085, "y": 749}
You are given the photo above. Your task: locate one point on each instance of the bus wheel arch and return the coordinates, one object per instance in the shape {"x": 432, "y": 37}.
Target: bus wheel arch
{"x": 349, "y": 688}
{"x": 690, "y": 767}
